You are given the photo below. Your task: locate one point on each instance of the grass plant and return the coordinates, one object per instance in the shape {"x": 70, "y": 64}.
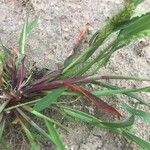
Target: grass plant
{"x": 22, "y": 97}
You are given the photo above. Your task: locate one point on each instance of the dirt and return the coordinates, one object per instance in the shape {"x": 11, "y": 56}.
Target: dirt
{"x": 54, "y": 40}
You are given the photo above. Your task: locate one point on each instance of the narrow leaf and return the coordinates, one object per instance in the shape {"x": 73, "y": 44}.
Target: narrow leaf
{"x": 129, "y": 94}
{"x": 27, "y": 27}
{"x": 137, "y": 28}
{"x": 23, "y": 38}
{"x": 2, "y": 56}
{"x": 145, "y": 145}
{"x": 120, "y": 91}
{"x": 124, "y": 78}
{"x": 55, "y": 136}
{"x": 33, "y": 144}
{"x": 40, "y": 115}
{"x": 32, "y": 123}
{"x": 3, "y": 105}
{"x": 80, "y": 115}
{"x": 49, "y": 99}
{"x": 139, "y": 113}
{"x": 70, "y": 59}
{"x": 95, "y": 121}
{"x": 32, "y": 24}
{"x": 123, "y": 124}
{"x": 20, "y": 74}
{"x": 2, "y": 126}
{"x": 92, "y": 98}
{"x": 11, "y": 70}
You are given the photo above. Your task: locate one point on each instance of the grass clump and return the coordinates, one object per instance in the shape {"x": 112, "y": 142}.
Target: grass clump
{"x": 22, "y": 97}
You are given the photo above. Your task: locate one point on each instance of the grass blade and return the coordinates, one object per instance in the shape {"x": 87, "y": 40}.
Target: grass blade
{"x": 123, "y": 16}
{"x": 2, "y": 126}
{"x": 11, "y": 70}
{"x": 49, "y": 99}
{"x": 32, "y": 24}
{"x": 2, "y": 106}
{"x": 120, "y": 91}
{"x": 23, "y": 38}
{"x": 55, "y": 136}
{"x": 2, "y": 56}
{"x": 129, "y": 94}
{"x": 4, "y": 145}
{"x": 136, "y": 112}
{"x": 20, "y": 74}
{"x": 27, "y": 27}
{"x": 128, "y": 122}
{"x": 20, "y": 105}
{"x": 80, "y": 115}
{"x": 136, "y": 28}
{"x": 29, "y": 120}
{"x": 95, "y": 121}
{"x": 34, "y": 145}
{"x": 125, "y": 78}
{"x": 38, "y": 114}
{"x": 145, "y": 145}
{"x": 114, "y": 126}
{"x": 92, "y": 98}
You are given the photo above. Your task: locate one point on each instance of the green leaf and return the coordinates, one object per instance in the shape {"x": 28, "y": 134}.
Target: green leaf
{"x": 126, "y": 93}
{"x": 110, "y": 92}
{"x": 136, "y": 28}
{"x": 136, "y": 112}
{"x": 95, "y": 121}
{"x": 125, "y": 78}
{"x": 136, "y": 2}
{"x": 132, "y": 29}
{"x": 49, "y": 99}
{"x": 115, "y": 126}
{"x": 142, "y": 143}
{"x": 80, "y": 115}
{"x": 123, "y": 124}
{"x": 2, "y": 126}
{"x": 4, "y": 145}
{"x": 113, "y": 24}
{"x": 133, "y": 4}
{"x": 34, "y": 145}
{"x": 23, "y": 38}
{"x": 2, "y": 56}
{"x": 120, "y": 91}
{"x": 121, "y": 17}
{"x": 46, "y": 118}
{"x": 32, "y": 24}
{"x": 2, "y": 106}
{"x": 79, "y": 60}
{"x": 93, "y": 38}
{"x": 27, "y": 27}
{"x": 70, "y": 59}
{"x": 5, "y": 49}
{"x": 32, "y": 123}
{"x": 55, "y": 136}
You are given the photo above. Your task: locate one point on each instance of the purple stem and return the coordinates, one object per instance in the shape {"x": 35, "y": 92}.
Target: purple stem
{"x": 20, "y": 74}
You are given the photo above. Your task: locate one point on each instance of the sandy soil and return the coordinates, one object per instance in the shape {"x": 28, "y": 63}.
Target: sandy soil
{"x": 54, "y": 39}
